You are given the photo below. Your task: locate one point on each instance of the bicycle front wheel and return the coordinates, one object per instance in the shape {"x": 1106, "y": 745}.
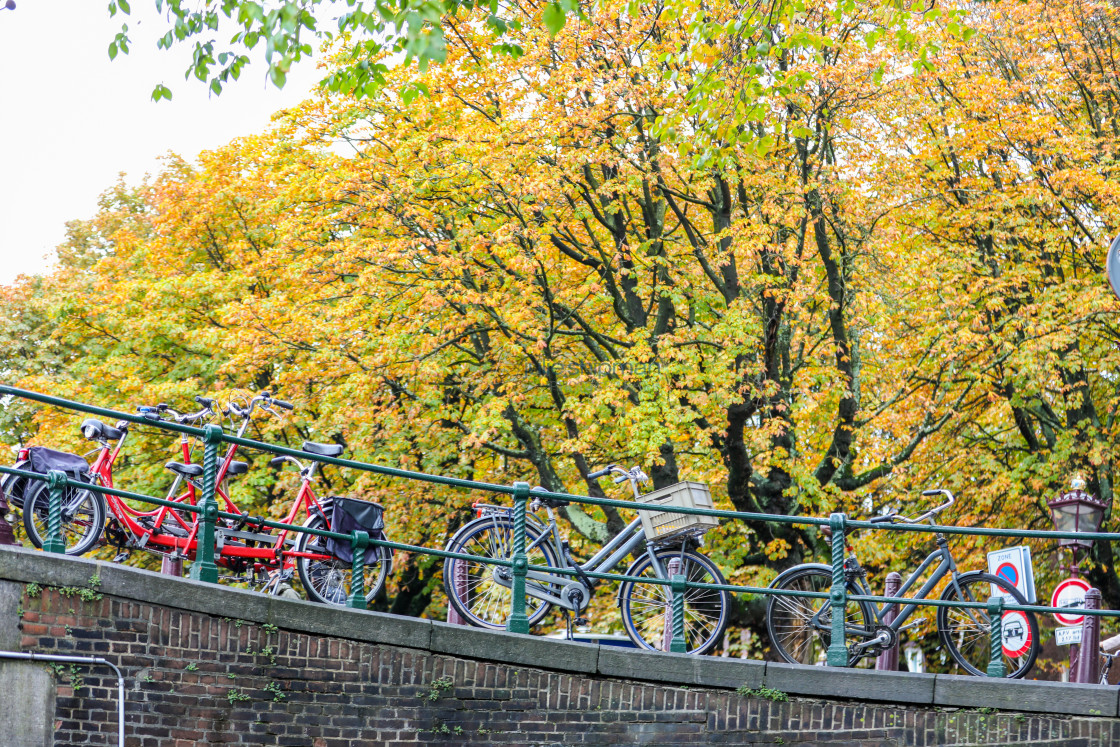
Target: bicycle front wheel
{"x": 328, "y": 580}
{"x": 83, "y": 516}
{"x": 801, "y": 627}
{"x": 966, "y": 632}
{"x": 480, "y": 591}
{"x": 647, "y": 609}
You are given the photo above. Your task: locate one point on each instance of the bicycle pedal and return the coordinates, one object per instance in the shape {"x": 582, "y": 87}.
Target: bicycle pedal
{"x": 579, "y": 622}
{"x": 912, "y": 624}
{"x": 120, "y": 557}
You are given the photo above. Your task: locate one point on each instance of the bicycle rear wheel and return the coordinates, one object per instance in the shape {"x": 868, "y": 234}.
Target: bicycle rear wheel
{"x": 801, "y": 627}
{"x": 647, "y": 608}
{"x": 966, "y": 633}
{"x": 83, "y": 516}
{"x": 480, "y": 591}
{"x": 328, "y": 580}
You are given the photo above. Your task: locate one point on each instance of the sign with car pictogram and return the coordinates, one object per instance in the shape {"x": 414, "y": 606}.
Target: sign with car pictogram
{"x": 1016, "y": 634}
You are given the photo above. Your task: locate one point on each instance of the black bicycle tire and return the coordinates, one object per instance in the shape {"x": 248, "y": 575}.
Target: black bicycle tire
{"x": 946, "y": 639}
{"x": 304, "y": 573}
{"x": 625, "y": 596}
{"x": 40, "y": 491}
{"x": 456, "y": 544}
{"x": 783, "y": 581}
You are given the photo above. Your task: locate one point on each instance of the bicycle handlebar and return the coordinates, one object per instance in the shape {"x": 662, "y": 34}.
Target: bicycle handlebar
{"x": 933, "y": 511}
{"x": 263, "y": 397}
{"x": 156, "y": 413}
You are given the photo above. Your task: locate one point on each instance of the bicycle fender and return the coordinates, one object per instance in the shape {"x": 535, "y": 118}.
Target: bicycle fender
{"x": 984, "y": 575}
{"x": 797, "y": 569}
{"x": 531, "y": 523}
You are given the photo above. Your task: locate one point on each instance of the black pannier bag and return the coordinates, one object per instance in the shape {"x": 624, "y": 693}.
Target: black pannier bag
{"x": 353, "y": 515}
{"x": 43, "y": 460}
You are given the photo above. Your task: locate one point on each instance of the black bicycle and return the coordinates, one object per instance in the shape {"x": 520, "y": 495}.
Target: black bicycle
{"x": 801, "y": 627}
{"x": 481, "y": 592}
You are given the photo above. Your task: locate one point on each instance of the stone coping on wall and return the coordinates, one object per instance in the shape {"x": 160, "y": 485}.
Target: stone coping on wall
{"x": 26, "y": 566}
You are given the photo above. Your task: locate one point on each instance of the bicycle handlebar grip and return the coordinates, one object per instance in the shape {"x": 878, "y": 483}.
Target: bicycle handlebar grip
{"x": 932, "y": 492}
{"x": 621, "y": 479}
{"x": 277, "y": 461}
{"x": 601, "y": 473}
{"x": 282, "y": 403}
{"x": 204, "y": 401}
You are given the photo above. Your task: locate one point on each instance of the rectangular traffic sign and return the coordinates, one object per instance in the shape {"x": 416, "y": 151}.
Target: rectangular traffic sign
{"x": 1067, "y": 636}
{"x": 1013, "y": 565}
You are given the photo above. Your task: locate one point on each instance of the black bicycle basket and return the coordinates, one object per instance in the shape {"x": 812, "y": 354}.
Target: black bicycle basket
{"x": 352, "y": 515}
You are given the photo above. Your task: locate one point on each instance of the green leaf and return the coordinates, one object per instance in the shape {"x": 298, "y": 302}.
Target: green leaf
{"x": 112, "y": 50}
{"x": 553, "y": 18}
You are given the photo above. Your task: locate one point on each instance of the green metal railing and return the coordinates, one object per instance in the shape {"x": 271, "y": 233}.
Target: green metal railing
{"x": 204, "y": 567}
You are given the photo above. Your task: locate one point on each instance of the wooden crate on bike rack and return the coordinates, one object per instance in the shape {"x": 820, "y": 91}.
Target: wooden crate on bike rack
{"x": 660, "y": 526}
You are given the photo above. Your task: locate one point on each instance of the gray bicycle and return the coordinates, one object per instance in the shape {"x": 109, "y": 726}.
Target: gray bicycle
{"x": 481, "y": 592}
{"x": 801, "y": 627}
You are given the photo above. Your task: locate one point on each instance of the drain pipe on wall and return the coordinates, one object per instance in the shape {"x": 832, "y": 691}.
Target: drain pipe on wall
{"x": 91, "y": 661}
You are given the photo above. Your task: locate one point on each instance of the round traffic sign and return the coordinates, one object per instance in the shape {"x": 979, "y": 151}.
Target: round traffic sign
{"x": 1009, "y": 573}
{"x": 1069, "y": 593}
{"x": 1016, "y": 634}
{"x": 1112, "y": 266}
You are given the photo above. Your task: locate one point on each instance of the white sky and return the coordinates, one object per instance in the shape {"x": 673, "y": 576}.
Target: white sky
{"x": 71, "y": 120}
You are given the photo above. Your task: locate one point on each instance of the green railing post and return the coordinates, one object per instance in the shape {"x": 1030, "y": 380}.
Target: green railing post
{"x": 519, "y": 621}
{"x": 204, "y": 568}
{"x": 359, "y": 541}
{"x": 838, "y": 595}
{"x": 56, "y": 481}
{"x": 995, "y": 616}
{"x": 678, "y": 645}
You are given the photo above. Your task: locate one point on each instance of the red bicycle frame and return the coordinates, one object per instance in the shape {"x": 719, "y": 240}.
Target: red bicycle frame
{"x": 165, "y": 530}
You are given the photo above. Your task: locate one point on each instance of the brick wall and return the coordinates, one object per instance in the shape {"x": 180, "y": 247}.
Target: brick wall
{"x": 196, "y": 678}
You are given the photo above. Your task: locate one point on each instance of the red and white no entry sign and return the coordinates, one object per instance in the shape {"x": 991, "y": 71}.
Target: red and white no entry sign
{"x": 1070, "y": 593}
{"x": 1016, "y": 634}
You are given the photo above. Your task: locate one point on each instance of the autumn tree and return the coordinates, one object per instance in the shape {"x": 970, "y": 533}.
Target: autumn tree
{"x": 873, "y": 272}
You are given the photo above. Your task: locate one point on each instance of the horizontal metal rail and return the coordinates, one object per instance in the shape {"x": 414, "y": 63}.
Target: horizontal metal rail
{"x": 208, "y": 514}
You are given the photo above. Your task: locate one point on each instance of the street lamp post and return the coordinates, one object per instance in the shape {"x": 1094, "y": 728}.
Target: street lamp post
{"x": 1076, "y": 511}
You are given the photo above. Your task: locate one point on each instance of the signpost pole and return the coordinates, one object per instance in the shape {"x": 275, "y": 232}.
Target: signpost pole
{"x": 1088, "y": 666}
{"x": 1074, "y": 649}
{"x": 888, "y": 660}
